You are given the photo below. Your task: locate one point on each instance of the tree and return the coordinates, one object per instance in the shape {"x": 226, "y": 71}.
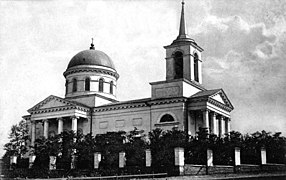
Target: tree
{"x": 110, "y": 144}
{"x": 44, "y": 148}
{"x": 18, "y": 136}
{"x": 135, "y": 147}
{"x": 162, "y": 144}
{"x": 85, "y": 148}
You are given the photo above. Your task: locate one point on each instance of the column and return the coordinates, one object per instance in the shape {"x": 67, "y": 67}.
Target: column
{"x": 46, "y": 128}
{"x": 214, "y": 124}
{"x": 227, "y": 125}
{"x": 221, "y": 126}
{"x": 33, "y": 135}
{"x": 206, "y": 123}
{"x": 74, "y": 123}
{"x": 60, "y": 125}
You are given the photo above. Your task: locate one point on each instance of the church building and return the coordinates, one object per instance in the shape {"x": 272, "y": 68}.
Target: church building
{"x": 90, "y": 104}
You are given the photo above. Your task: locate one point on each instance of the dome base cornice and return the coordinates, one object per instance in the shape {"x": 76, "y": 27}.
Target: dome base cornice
{"x": 94, "y": 70}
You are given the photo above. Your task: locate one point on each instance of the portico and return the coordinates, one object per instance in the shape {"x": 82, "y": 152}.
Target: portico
{"x": 47, "y": 121}
{"x": 210, "y": 110}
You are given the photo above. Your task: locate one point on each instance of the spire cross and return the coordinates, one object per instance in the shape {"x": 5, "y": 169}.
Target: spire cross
{"x": 92, "y": 45}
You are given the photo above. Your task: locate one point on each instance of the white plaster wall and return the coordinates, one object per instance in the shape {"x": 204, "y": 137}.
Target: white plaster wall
{"x": 121, "y": 120}
{"x": 94, "y": 84}
{"x": 189, "y": 90}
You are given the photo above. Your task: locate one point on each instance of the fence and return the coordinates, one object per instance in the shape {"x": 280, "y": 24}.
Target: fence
{"x": 178, "y": 168}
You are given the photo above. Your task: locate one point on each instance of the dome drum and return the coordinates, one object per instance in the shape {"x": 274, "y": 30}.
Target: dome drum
{"x": 91, "y": 71}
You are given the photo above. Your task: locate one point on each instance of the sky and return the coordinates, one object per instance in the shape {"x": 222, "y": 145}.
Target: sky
{"x": 244, "y": 46}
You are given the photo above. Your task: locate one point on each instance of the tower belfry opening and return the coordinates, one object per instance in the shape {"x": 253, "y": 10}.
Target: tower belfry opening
{"x": 179, "y": 65}
{"x": 196, "y": 67}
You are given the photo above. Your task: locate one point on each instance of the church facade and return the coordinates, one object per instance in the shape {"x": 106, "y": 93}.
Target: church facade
{"x": 90, "y": 103}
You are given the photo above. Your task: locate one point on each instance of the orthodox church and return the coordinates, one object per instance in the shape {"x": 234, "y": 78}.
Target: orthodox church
{"x": 90, "y": 104}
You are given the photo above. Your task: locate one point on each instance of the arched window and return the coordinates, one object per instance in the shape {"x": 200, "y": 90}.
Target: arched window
{"x": 179, "y": 65}
{"x": 74, "y": 85}
{"x": 67, "y": 86}
{"x": 111, "y": 87}
{"x": 87, "y": 84}
{"x": 196, "y": 67}
{"x": 167, "y": 118}
{"x": 100, "y": 86}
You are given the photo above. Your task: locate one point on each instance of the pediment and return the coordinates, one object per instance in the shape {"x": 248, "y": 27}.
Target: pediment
{"x": 221, "y": 97}
{"x": 51, "y": 102}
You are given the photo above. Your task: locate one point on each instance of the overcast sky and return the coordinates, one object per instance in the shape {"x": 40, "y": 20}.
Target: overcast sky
{"x": 244, "y": 43}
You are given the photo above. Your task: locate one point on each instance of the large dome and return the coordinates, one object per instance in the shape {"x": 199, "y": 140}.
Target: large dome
{"x": 91, "y": 57}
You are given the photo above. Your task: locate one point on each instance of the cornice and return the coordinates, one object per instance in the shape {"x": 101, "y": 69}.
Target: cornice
{"x": 167, "y": 124}
{"x": 68, "y": 106}
{"x": 212, "y": 101}
{"x": 47, "y": 100}
{"x": 56, "y": 109}
{"x": 219, "y": 104}
{"x": 118, "y": 107}
{"x": 138, "y": 105}
{"x": 96, "y": 70}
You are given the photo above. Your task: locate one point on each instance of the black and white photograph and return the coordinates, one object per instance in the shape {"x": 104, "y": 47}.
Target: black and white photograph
{"x": 143, "y": 89}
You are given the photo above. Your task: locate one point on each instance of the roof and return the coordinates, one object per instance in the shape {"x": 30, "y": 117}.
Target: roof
{"x": 65, "y": 101}
{"x": 210, "y": 94}
{"x": 91, "y": 57}
{"x": 143, "y": 100}
{"x": 206, "y": 93}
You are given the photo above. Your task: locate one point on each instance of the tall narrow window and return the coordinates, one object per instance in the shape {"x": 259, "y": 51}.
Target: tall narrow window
{"x": 100, "y": 87}
{"x": 111, "y": 87}
{"x": 74, "y": 85}
{"x": 179, "y": 65}
{"x": 87, "y": 84}
{"x": 196, "y": 67}
{"x": 67, "y": 86}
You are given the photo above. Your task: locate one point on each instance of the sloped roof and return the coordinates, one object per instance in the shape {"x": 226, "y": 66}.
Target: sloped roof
{"x": 49, "y": 98}
{"x": 206, "y": 93}
{"x": 209, "y": 94}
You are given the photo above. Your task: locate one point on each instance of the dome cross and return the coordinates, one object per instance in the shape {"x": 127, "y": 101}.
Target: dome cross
{"x": 92, "y": 45}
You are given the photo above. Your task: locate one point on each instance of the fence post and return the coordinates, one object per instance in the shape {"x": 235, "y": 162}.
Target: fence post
{"x": 73, "y": 161}
{"x": 97, "y": 159}
{"x": 52, "y": 165}
{"x": 31, "y": 160}
{"x": 148, "y": 157}
{"x": 122, "y": 159}
{"x": 180, "y": 159}
{"x": 237, "y": 156}
{"x": 263, "y": 155}
{"x": 13, "y": 160}
{"x": 209, "y": 157}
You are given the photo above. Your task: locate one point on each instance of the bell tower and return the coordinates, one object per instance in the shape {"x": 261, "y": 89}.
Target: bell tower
{"x": 183, "y": 56}
{"x": 183, "y": 66}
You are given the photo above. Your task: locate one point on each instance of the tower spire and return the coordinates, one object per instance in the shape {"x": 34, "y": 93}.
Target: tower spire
{"x": 182, "y": 31}
{"x": 183, "y": 36}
